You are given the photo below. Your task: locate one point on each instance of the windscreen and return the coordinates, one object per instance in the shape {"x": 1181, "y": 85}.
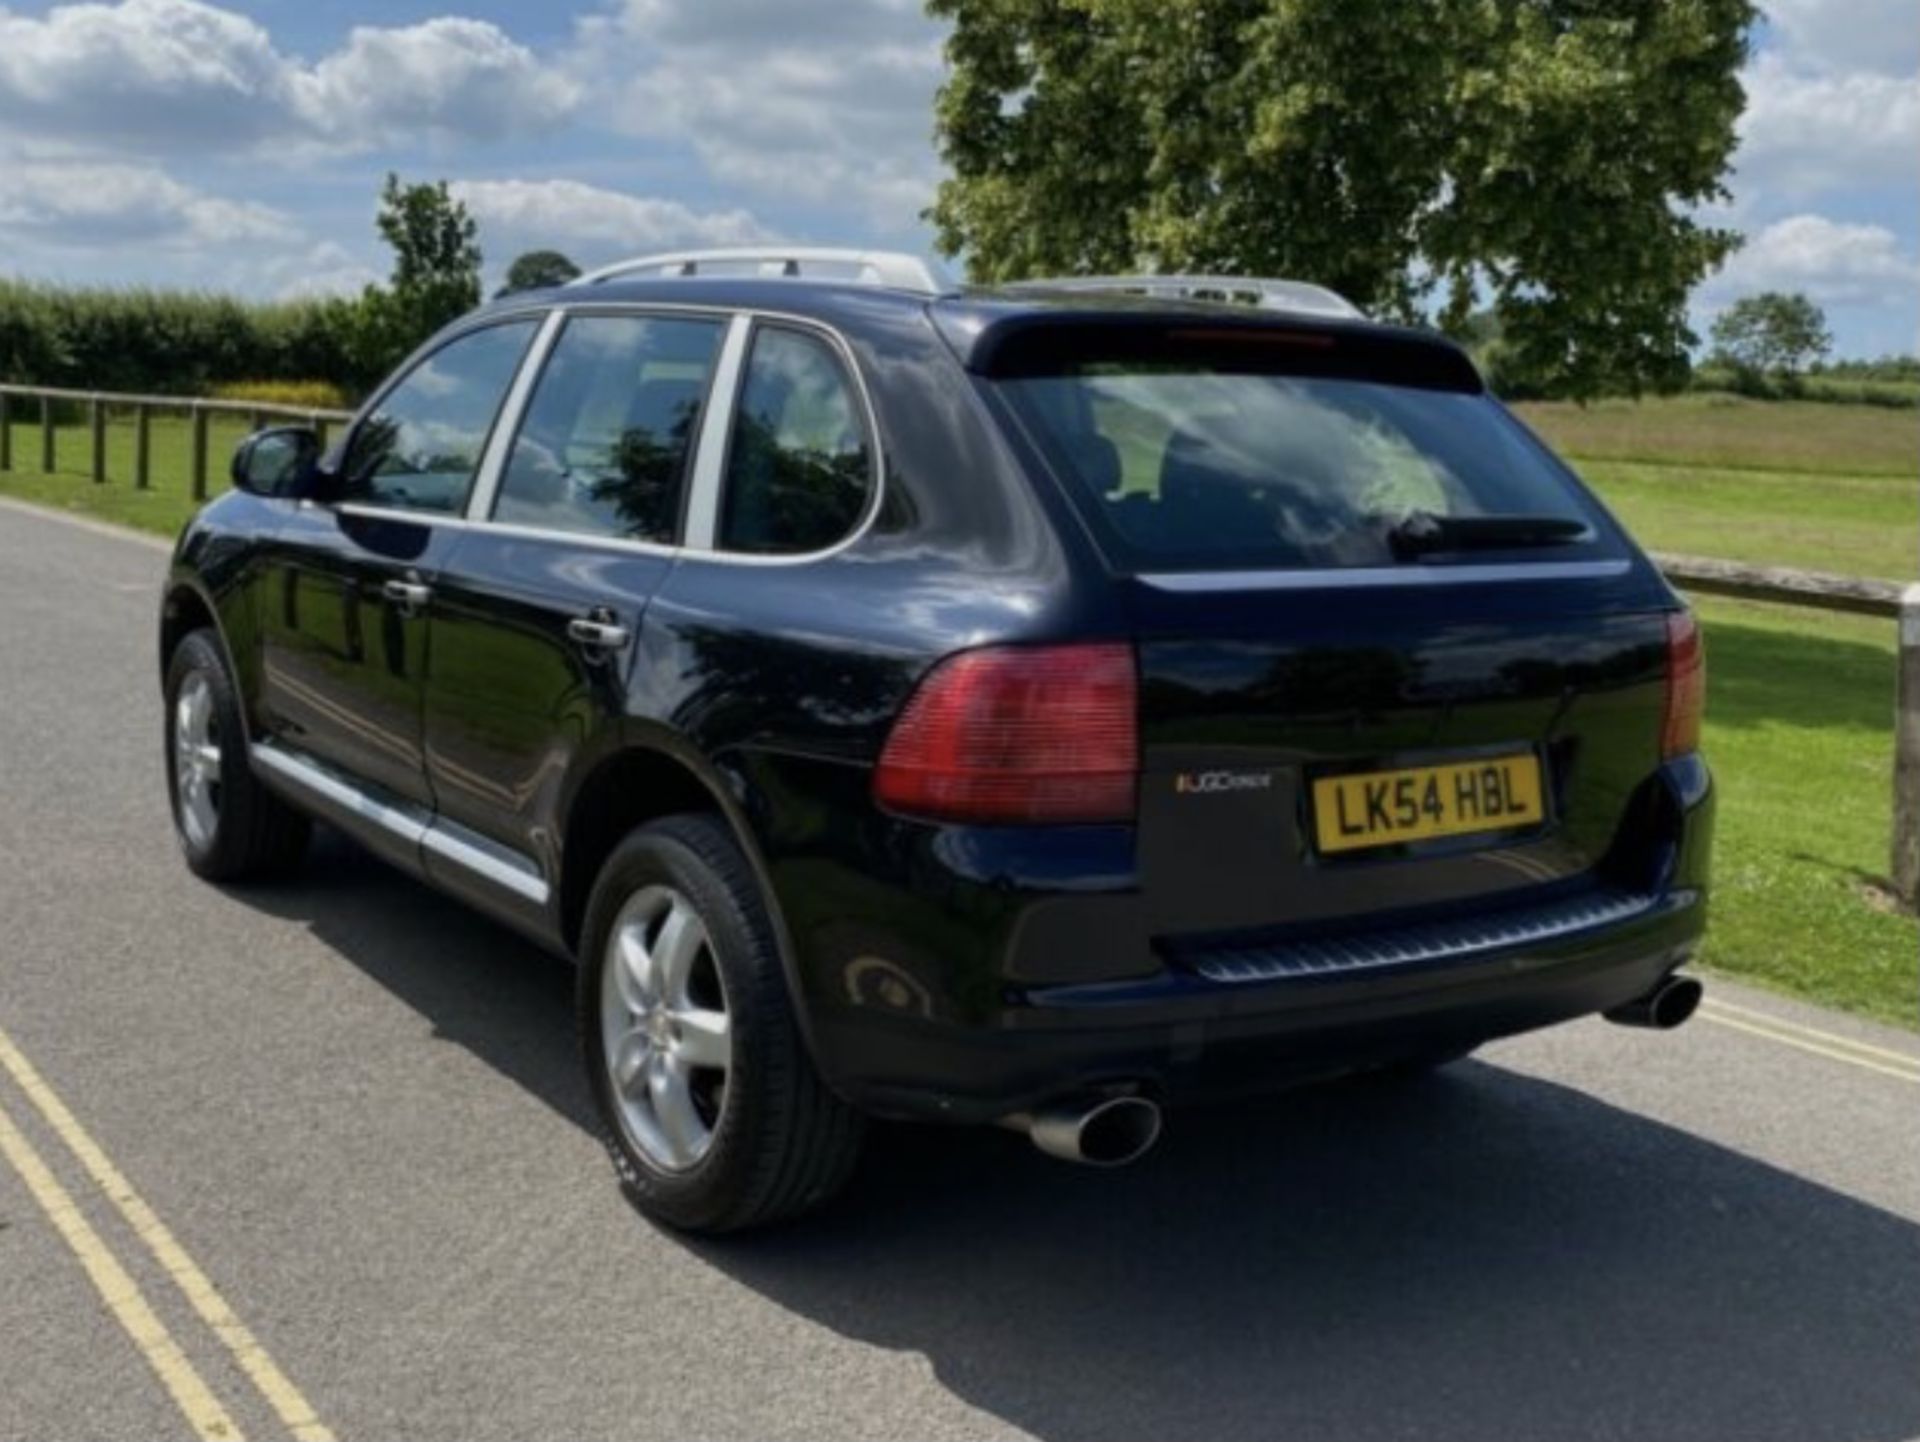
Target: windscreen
{"x": 1191, "y": 464}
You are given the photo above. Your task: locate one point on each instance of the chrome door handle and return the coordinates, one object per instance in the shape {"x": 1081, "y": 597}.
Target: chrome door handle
{"x": 409, "y": 596}
{"x": 598, "y": 635}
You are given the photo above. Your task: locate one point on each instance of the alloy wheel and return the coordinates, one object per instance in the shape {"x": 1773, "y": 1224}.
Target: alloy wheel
{"x": 666, "y": 1031}
{"x": 196, "y": 759}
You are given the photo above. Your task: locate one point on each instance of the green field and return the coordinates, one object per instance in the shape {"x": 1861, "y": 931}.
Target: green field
{"x": 1800, "y": 736}
{"x": 1800, "y": 702}
{"x": 162, "y": 508}
{"x": 1790, "y": 483}
{"x": 1734, "y": 433}
{"x": 1800, "y": 707}
{"x": 1853, "y": 525}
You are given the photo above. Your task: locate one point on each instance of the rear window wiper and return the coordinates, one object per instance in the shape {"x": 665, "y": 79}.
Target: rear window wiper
{"x": 1421, "y": 533}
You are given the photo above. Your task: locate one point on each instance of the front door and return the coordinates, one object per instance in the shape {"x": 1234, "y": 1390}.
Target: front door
{"x": 347, "y": 597}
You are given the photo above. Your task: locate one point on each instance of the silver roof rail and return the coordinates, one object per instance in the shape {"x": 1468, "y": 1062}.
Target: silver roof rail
{"x": 1268, "y": 294}
{"x": 893, "y": 269}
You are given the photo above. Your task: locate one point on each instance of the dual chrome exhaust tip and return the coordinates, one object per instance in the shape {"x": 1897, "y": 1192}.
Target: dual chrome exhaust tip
{"x": 1100, "y": 1130}
{"x": 1111, "y": 1129}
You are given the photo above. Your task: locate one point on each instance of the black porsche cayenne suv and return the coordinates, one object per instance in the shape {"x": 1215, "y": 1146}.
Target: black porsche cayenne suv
{"x": 1031, "y": 705}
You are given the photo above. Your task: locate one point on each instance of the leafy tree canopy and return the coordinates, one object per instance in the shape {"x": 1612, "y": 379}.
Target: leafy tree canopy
{"x": 537, "y": 270}
{"x": 436, "y": 273}
{"x": 1772, "y": 334}
{"x": 434, "y": 242}
{"x": 1536, "y": 158}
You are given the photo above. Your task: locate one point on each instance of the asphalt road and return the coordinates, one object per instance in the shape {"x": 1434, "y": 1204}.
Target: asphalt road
{"x": 352, "y": 1108}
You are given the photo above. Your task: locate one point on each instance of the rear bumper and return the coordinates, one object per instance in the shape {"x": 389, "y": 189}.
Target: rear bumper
{"x": 915, "y": 964}
{"x": 1186, "y": 1038}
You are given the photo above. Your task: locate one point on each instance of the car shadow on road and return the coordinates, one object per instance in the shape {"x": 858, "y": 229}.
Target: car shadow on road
{"x": 1480, "y": 1255}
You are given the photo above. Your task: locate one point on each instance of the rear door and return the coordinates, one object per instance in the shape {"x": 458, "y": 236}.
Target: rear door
{"x": 348, "y": 586}
{"x": 1340, "y": 723}
{"x": 537, "y": 611}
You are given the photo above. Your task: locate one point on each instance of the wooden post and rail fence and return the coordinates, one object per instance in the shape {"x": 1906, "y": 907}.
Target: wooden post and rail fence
{"x": 1890, "y": 599}
{"x": 39, "y": 408}
{"x": 1690, "y": 573}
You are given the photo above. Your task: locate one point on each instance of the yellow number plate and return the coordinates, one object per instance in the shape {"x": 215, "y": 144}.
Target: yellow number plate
{"x": 1382, "y": 808}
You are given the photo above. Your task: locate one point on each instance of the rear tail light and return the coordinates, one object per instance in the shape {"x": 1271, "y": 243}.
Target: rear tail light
{"x": 1686, "y": 686}
{"x": 1018, "y": 735}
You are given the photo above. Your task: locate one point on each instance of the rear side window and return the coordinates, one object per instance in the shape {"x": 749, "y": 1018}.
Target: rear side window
{"x": 603, "y": 449}
{"x": 799, "y": 471}
{"x": 419, "y": 448}
{"x": 1196, "y": 463}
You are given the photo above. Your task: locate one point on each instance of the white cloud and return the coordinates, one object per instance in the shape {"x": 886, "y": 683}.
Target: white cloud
{"x": 592, "y": 224}
{"x": 775, "y": 24}
{"x": 821, "y": 103}
{"x": 443, "y": 78}
{"x": 1835, "y": 263}
{"x": 326, "y": 268}
{"x": 107, "y": 205}
{"x": 171, "y": 76}
{"x": 1807, "y": 131}
{"x": 1881, "y": 35}
{"x": 162, "y": 72}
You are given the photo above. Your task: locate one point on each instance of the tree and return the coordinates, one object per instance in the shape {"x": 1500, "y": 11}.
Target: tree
{"x": 436, "y": 257}
{"x": 1541, "y": 158}
{"x": 436, "y": 273}
{"x": 537, "y": 270}
{"x": 1771, "y": 334}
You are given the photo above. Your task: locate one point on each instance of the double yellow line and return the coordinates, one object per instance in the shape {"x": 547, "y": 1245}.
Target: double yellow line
{"x": 118, "y": 1290}
{"x": 1904, "y": 1066}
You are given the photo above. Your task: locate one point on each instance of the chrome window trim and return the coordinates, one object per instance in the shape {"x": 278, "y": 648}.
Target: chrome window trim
{"x": 593, "y": 305}
{"x": 426, "y": 352}
{"x": 710, "y": 449}
{"x": 451, "y": 520}
{"x": 1335, "y": 578}
{"x": 871, "y": 424}
{"x": 506, "y": 424}
{"x": 513, "y": 530}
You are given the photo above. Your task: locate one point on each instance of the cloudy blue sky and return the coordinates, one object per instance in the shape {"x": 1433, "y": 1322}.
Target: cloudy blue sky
{"x": 239, "y": 145}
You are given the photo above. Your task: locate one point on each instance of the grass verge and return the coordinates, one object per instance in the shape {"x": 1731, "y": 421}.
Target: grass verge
{"x": 1800, "y": 737}
{"x": 163, "y": 508}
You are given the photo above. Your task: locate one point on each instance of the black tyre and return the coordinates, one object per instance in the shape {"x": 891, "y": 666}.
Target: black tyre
{"x": 709, "y": 1103}
{"x": 231, "y": 828}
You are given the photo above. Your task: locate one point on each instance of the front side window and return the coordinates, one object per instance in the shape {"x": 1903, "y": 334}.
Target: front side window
{"x": 421, "y": 446}
{"x": 798, "y": 466}
{"x": 603, "y": 450}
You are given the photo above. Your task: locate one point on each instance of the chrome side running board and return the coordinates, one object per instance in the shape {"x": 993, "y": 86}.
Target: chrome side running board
{"x": 505, "y": 868}
{"x": 325, "y": 784}
{"x": 411, "y": 825}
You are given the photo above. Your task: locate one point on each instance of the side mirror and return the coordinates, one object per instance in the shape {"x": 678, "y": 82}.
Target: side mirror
{"x": 281, "y": 461}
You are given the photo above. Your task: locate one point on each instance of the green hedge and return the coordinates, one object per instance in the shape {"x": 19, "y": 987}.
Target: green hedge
{"x": 177, "y": 342}
{"x": 1841, "y": 387}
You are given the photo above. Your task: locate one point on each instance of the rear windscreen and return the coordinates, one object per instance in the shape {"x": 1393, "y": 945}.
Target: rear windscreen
{"x": 1187, "y": 464}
